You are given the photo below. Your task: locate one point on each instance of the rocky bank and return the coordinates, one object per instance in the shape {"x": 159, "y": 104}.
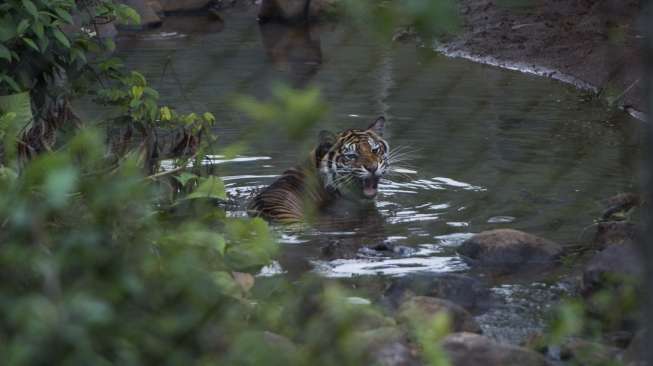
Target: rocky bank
{"x": 593, "y": 44}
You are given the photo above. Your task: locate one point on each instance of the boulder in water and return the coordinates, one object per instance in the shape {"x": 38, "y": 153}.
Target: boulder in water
{"x": 469, "y": 349}
{"x": 424, "y": 308}
{"x": 509, "y": 250}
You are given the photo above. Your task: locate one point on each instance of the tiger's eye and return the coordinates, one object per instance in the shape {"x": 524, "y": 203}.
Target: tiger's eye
{"x": 351, "y": 156}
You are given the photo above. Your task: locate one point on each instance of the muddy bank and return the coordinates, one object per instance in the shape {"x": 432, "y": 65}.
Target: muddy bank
{"x": 592, "y": 44}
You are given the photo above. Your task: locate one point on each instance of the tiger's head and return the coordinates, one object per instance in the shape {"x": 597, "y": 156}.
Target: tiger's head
{"x": 353, "y": 161}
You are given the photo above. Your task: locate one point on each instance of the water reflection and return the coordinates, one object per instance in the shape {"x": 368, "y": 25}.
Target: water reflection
{"x": 293, "y": 49}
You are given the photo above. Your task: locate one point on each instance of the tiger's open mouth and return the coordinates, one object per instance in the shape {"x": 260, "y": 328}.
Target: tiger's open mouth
{"x": 370, "y": 186}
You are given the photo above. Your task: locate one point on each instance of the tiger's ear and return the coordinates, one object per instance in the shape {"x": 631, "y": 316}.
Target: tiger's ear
{"x": 326, "y": 140}
{"x": 378, "y": 126}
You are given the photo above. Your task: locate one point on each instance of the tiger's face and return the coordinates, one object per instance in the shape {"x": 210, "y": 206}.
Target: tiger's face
{"x": 353, "y": 161}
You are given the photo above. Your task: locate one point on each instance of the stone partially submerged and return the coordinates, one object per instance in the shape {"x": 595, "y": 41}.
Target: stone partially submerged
{"x": 424, "y": 308}
{"x": 469, "y": 349}
{"x": 468, "y": 292}
{"x": 509, "y": 250}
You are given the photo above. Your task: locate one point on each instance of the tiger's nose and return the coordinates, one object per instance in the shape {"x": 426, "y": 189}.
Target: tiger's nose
{"x": 371, "y": 167}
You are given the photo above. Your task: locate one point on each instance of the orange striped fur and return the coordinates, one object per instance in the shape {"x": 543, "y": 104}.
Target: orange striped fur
{"x": 347, "y": 165}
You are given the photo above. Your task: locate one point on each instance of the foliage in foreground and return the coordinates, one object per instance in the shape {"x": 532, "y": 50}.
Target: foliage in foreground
{"x": 92, "y": 272}
{"x": 105, "y": 259}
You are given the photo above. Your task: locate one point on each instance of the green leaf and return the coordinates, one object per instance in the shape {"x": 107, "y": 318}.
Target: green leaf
{"x": 44, "y": 42}
{"x": 22, "y": 26}
{"x": 4, "y": 53}
{"x": 137, "y": 91}
{"x": 78, "y": 54}
{"x": 166, "y": 115}
{"x": 210, "y": 187}
{"x": 30, "y": 43}
{"x": 250, "y": 244}
{"x": 138, "y": 79}
{"x": 7, "y": 29}
{"x": 7, "y": 174}
{"x": 151, "y": 92}
{"x": 64, "y": 15}
{"x": 209, "y": 117}
{"x": 19, "y": 104}
{"x": 184, "y": 177}
{"x": 135, "y": 103}
{"x": 31, "y": 8}
{"x": 109, "y": 44}
{"x": 39, "y": 30}
{"x": 207, "y": 239}
{"x": 59, "y": 184}
{"x": 12, "y": 83}
{"x": 61, "y": 37}
{"x": 226, "y": 284}
{"x": 127, "y": 14}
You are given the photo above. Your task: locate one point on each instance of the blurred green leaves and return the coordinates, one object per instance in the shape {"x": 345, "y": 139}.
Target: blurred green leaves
{"x": 209, "y": 187}
{"x": 105, "y": 262}
{"x": 431, "y": 18}
{"x": 295, "y": 110}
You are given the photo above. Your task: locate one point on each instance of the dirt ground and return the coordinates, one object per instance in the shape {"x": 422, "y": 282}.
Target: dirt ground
{"x": 592, "y": 43}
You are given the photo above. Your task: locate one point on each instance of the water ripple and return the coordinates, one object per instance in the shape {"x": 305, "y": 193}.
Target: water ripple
{"x": 394, "y": 267}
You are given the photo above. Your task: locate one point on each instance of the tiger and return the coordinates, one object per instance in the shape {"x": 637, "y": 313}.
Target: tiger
{"x": 343, "y": 166}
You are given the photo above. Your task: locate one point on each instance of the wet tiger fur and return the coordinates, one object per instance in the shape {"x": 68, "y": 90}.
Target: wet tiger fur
{"x": 346, "y": 165}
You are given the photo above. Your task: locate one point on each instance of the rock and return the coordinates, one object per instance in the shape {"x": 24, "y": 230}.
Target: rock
{"x": 380, "y": 335}
{"x": 386, "y": 346}
{"x": 509, "y": 250}
{"x": 149, "y": 17}
{"x": 618, "y": 206}
{"x": 613, "y": 233}
{"x": 155, "y": 5}
{"x": 620, "y": 339}
{"x": 293, "y": 11}
{"x": 610, "y": 287}
{"x": 469, "y": 349}
{"x": 634, "y": 354}
{"x": 584, "y": 352}
{"x": 394, "y": 354}
{"x": 610, "y": 267}
{"x": 423, "y": 308}
{"x": 271, "y": 349}
{"x": 465, "y": 291}
{"x": 183, "y": 5}
{"x": 369, "y": 318}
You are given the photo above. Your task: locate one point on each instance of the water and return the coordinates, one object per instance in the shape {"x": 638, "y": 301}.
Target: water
{"x": 490, "y": 148}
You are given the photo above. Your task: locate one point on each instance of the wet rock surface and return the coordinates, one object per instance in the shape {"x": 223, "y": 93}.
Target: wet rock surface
{"x": 468, "y": 292}
{"x": 395, "y": 354}
{"x": 635, "y": 353}
{"x": 620, "y": 204}
{"x": 610, "y": 267}
{"x": 423, "y": 308}
{"x": 575, "y": 350}
{"x": 387, "y": 346}
{"x": 613, "y": 233}
{"x": 588, "y": 352}
{"x": 508, "y": 250}
{"x": 469, "y": 349}
{"x": 148, "y": 14}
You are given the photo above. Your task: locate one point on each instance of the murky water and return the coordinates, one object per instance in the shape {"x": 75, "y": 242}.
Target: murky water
{"x": 489, "y": 148}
